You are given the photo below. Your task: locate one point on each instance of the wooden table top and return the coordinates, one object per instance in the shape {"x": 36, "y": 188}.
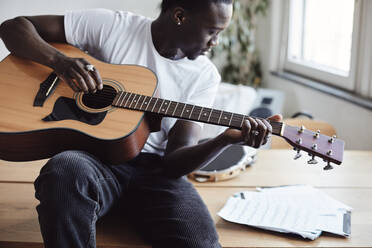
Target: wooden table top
{"x": 349, "y": 183}
{"x": 355, "y": 171}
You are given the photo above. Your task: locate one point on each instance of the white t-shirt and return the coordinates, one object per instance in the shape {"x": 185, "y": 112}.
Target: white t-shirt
{"x": 120, "y": 37}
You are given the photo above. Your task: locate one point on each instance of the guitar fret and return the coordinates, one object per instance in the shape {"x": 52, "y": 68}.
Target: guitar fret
{"x": 162, "y": 107}
{"x": 117, "y": 98}
{"x": 130, "y": 100}
{"x": 134, "y": 100}
{"x": 158, "y": 105}
{"x": 200, "y": 113}
{"x": 139, "y": 99}
{"x": 152, "y": 110}
{"x": 148, "y": 103}
{"x": 152, "y": 103}
{"x": 122, "y": 100}
{"x": 161, "y": 104}
{"x": 143, "y": 101}
{"x": 219, "y": 119}
{"x": 214, "y": 116}
{"x": 210, "y": 114}
{"x": 170, "y": 103}
{"x": 231, "y": 119}
{"x": 225, "y": 119}
{"x": 191, "y": 111}
{"x": 175, "y": 109}
{"x": 183, "y": 110}
{"x": 188, "y": 110}
{"x": 205, "y": 114}
{"x": 236, "y": 120}
{"x": 241, "y": 124}
{"x": 196, "y": 112}
{"x": 125, "y": 105}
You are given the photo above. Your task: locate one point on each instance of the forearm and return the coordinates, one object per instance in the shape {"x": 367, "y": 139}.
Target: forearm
{"x": 22, "y": 39}
{"x": 187, "y": 159}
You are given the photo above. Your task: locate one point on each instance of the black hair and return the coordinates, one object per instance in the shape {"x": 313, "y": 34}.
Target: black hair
{"x": 191, "y": 5}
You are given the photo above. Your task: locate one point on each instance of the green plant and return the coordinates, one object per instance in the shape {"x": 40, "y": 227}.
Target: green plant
{"x": 236, "y": 55}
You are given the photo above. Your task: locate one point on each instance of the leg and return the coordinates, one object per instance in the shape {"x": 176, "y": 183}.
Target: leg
{"x": 170, "y": 212}
{"x": 74, "y": 190}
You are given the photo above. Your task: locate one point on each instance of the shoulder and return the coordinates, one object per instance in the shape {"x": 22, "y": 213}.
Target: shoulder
{"x": 101, "y": 16}
{"x": 93, "y": 28}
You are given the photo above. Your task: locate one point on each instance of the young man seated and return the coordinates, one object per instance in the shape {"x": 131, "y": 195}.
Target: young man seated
{"x": 75, "y": 188}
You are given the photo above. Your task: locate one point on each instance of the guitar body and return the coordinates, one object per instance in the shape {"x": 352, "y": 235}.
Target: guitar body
{"x": 114, "y": 135}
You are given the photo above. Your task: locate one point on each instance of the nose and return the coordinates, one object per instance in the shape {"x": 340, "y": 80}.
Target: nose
{"x": 213, "y": 42}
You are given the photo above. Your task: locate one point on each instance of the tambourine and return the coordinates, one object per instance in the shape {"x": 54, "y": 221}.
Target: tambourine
{"x": 229, "y": 164}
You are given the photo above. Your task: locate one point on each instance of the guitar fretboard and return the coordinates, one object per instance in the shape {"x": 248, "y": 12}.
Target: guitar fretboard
{"x": 168, "y": 108}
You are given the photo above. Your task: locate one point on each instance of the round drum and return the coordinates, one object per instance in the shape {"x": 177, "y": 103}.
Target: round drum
{"x": 228, "y": 164}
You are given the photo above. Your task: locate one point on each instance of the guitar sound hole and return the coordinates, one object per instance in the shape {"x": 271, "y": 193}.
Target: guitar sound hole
{"x": 101, "y": 99}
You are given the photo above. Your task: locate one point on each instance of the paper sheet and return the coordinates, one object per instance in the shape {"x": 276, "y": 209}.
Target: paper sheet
{"x": 300, "y": 209}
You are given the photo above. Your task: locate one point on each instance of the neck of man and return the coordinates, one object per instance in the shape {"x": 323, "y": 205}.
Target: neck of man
{"x": 163, "y": 36}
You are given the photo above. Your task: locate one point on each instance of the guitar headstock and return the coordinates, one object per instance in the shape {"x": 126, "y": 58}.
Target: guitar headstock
{"x": 330, "y": 149}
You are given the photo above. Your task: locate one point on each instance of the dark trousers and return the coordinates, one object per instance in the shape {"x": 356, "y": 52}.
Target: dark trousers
{"x": 75, "y": 190}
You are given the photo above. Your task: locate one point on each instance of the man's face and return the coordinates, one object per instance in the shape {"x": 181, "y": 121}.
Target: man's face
{"x": 200, "y": 30}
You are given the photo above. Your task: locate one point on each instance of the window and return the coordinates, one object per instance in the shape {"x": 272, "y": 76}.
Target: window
{"x": 329, "y": 41}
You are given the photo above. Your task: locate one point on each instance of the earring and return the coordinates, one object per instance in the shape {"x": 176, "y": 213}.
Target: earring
{"x": 179, "y": 23}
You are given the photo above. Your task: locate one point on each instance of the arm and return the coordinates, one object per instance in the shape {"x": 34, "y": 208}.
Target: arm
{"x": 28, "y": 37}
{"x": 183, "y": 154}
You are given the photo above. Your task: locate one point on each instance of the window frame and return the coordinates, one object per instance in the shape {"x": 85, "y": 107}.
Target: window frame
{"x": 360, "y": 77}
{"x": 364, "y": 72}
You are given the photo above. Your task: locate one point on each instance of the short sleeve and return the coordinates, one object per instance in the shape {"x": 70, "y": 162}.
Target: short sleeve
{"x": 89, "y": 28}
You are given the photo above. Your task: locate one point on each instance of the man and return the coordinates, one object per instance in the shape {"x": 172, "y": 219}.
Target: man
{"x": 74, "y": 188}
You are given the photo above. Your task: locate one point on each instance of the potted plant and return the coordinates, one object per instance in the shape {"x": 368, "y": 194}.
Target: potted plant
{"x": 236, "y": 55}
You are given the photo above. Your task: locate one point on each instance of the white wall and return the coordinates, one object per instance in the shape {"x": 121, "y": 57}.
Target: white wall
{"x": 13, "y": 8}
{"x": 351, "y": 121}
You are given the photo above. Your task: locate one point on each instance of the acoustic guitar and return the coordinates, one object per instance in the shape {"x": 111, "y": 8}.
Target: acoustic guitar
{"x": 41, "y": 117}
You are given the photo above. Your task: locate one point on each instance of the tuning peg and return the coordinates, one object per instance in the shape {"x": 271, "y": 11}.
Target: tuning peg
{"x": 314, "y": 146}
{"x": 312, "y": 160}
{"x": 298, "y": 154}
{"x": 301, "y": 129}
{"x": 328, "y": 166}
{"x": 317, "y": 134}
{"x": 332, "y": 139}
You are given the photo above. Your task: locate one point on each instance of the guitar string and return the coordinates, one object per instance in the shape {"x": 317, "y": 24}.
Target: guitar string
{"x": 235, "y": 117}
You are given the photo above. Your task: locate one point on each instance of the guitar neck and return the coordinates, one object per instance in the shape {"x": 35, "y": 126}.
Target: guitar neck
{"x": 185, "y": 111}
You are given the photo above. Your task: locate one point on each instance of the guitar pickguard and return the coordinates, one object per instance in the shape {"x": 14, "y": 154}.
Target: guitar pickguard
{"x": 66, "y": 109}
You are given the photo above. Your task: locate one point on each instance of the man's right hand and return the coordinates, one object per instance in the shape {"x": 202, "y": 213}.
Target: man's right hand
{"x": 35, "y": 32}
{"x": 75, "y": 73}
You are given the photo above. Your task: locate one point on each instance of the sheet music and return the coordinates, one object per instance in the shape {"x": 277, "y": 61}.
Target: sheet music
{"x": 301, "y": 209}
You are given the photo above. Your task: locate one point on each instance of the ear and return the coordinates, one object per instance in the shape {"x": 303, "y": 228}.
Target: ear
{"x": 179, "y": 16}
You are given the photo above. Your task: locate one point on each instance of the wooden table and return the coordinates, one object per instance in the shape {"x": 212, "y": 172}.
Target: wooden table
{"x": 350, "y": 183}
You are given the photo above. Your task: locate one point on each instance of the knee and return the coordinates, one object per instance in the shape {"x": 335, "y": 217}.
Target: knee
{"x": 68, "y": 167}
